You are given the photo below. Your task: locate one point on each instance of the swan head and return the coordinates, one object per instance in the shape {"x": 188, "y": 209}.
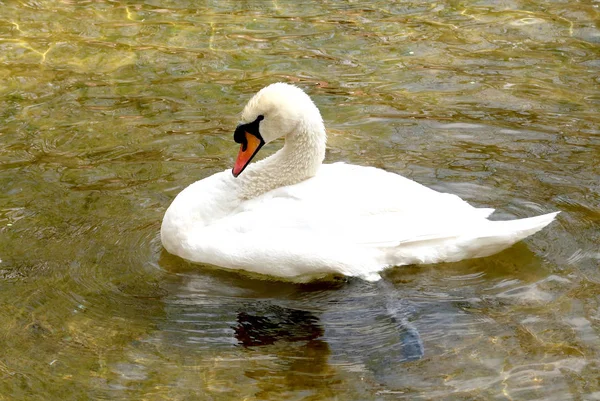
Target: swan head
{"x": 276, "y": 111}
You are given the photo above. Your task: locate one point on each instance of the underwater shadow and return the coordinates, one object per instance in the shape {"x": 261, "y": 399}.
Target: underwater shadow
{"x": 347, "y": 323}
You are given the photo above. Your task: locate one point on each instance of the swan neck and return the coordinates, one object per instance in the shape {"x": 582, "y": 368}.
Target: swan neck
{"x": 298, "y": 160}
{"x": 305, "y": 148}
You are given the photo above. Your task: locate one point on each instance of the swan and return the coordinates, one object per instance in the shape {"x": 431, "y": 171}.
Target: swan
{"x": 293, "y": 218}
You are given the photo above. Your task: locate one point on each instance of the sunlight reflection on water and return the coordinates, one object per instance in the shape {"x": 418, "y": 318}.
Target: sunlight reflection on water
{"x": 109, "y": 109}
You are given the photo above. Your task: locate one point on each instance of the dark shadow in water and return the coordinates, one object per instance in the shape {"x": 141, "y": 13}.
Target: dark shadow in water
{"x": 275, "y": 323}
{"x": 377, "y": 339}
{"x": 295, "y": 338}
{"x": 351, "y": 323}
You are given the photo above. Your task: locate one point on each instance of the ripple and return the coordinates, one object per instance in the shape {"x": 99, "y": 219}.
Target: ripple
{"x": 108, "y": 110}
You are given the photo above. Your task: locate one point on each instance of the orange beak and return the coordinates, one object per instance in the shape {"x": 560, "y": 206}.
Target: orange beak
{"x": 247, "y": 152}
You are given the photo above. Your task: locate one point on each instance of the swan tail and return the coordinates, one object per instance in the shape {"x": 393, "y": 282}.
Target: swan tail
{"x": 522, "y": 228}
{"x": 474, "y": 242}
{"x": 499, "y": 235}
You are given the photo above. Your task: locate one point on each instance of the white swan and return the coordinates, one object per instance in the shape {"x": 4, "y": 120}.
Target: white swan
{"x": 292, "y": 217}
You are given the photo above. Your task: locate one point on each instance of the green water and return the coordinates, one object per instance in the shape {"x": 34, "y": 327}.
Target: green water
{"x": 109, "y": 109}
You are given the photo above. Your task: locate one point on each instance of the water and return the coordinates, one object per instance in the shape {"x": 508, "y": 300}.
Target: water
{"x": 109, "y": 109}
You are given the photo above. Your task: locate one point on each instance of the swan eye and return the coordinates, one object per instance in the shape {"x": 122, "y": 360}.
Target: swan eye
{"x": 260, "y": 118}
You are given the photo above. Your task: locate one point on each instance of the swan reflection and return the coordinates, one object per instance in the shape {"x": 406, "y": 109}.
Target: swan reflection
{"x": 291, "y": 331}
{"x": 274, "y": 323}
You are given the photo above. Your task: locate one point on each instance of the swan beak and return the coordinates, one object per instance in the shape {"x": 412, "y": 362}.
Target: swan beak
{"x": 248, "y": 149}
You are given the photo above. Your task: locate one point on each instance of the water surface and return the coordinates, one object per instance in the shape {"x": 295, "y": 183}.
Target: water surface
{"x": 110, "y": 108}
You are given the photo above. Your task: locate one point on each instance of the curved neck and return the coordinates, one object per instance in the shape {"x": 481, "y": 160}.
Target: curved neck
{"x": 299, "y": 159}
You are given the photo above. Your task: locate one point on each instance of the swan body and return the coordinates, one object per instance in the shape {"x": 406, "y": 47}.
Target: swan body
{"x": 292, "y": 217}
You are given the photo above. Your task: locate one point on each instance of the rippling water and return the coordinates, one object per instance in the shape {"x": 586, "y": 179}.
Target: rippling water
{"x": 109, "y": 108}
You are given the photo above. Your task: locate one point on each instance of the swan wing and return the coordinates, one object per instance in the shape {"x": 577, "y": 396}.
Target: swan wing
{"x": 356, "y": 205}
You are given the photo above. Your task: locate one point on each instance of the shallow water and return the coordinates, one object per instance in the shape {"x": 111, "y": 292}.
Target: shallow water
{"x": 110, "y": 108}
